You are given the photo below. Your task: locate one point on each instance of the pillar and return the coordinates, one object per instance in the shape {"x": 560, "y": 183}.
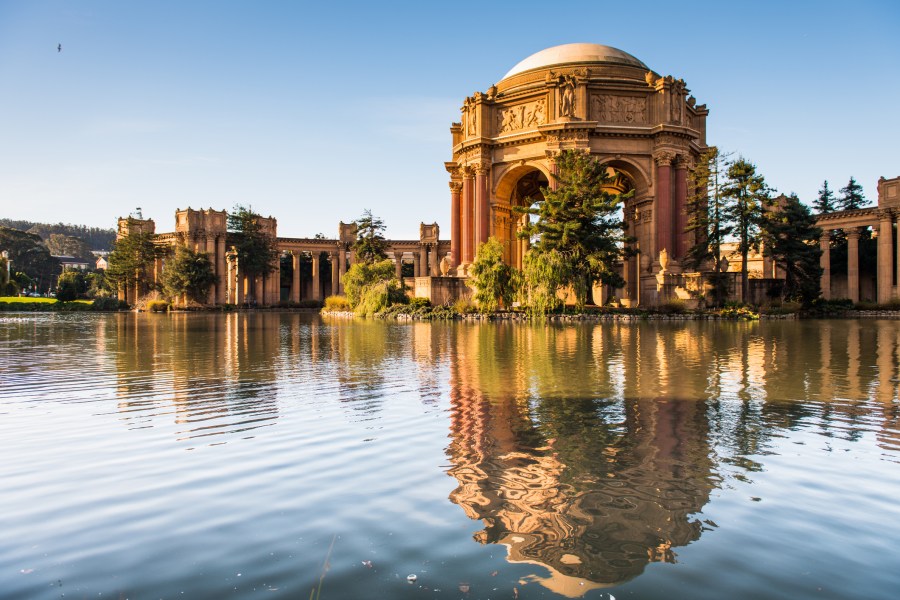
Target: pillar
{"x": 468, "y": 217}
{"x": 433, "y": 261}
{"x": 482, "y": 207}
{"x": 335, "y": 272}
{"x": 885, "y": 257}
{"x": 679, "y": 207}
{"x": 295, "y": 277}
{"x": 898, "y": 255}
{"x": 398, "y": 265}
{"x": 416, "y": 263}
{"x": 211, "y": 254}
{"x": 317, "y": 285}
{"x": 259, "y": 292}
{"x": 342, "y": 268}
{"x": 664, "y": 202}
{"x": 853, "y": 263}
{"x": 455, "y": 218}
{"x": 221, "y": 271}
{"x": 554, "y": 169}
{"x": 825, "y": 263}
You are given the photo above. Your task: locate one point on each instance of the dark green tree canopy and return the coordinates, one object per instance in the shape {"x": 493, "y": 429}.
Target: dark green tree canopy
{"x": 131, "y": 259}
{"x": 257, "y": 250}
{"x": 852, "y": 197}
{"x": 370, "y": 246}
{"x": 825, "y": 202}
{"x": 791, "y": 239}
{"x": 188, "y": 273}
{"x": 29, "y": 256}
{"x": 581, "y": 222}
{"x": 746, "y": 196}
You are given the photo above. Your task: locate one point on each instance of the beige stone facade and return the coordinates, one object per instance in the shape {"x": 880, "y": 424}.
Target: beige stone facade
{"x": 644, "y": 126}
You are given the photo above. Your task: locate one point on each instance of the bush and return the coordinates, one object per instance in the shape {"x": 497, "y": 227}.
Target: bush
{"x": 417, "y": 303}
{"x": 674, "y": 306}
{"x": 464, "y": 306}
{"x": 66, "y": 292}
{"x": 337, "y": 304}
{"x": 158, "y": 306}
{"x": 108, "y": 304}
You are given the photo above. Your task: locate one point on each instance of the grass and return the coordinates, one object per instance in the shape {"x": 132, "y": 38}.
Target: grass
{"x": 26, "y": 300}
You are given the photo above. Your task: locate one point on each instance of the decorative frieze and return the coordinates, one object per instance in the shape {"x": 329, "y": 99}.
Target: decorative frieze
{"x": 522, "y": 116}
{"x": 619, "y": 109}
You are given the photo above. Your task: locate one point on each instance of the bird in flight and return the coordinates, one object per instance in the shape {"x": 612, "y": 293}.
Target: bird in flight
{"x": 59, "y": 48}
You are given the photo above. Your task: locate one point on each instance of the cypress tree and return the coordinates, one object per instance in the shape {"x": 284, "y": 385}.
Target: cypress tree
{"x": 825, "y": 202}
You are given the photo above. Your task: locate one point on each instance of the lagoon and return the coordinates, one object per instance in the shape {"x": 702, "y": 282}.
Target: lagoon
{"x": 271, "y": 455}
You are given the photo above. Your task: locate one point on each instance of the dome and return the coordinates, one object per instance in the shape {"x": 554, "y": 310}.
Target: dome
{"x": 575, "y": 53}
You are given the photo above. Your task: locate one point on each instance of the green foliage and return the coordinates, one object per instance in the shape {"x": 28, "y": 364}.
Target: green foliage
{"x": 852, "y": 197}
{"x": 673, "y": 306}
{"x": 464, "y": 306}
{"x": 580, "y": 226}
{"x": 370, "y": 246}
{"x": 65, "y": 245}
{"x": 188, "y": 273}
{"x": 71, "y": 286}
{"x": 792, "y": 240}
{"x": 29, "y": 256}
{"x": 371, "y": 287}
{"x": 495, "y": 282}
{"x": 544, "y": 274}
{"x": 108, "y": 304}
{"x": 131, "y": 261}
{"x": 96, "y": 238}
{"x": 336, "y": 303}
{"x": 419, "y": 303}
{"x": 825, "y": 202}
{"x": 158, "y": 306}
{"x": 257, "y": 250}
{"x": 746, "y": 195}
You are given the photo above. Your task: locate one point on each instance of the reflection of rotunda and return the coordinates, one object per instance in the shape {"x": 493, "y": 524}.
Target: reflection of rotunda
{"x": 580, "y": 96}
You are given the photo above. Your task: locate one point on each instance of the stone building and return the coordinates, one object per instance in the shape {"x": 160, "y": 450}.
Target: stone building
{"x": 644, "y": 126}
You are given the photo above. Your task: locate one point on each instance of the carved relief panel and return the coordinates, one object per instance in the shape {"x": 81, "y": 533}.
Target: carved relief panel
{"x": 606, "y": 108}
{"x": 522, "y": 116}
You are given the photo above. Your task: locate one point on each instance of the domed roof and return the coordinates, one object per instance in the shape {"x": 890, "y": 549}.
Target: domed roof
{"x": 575, "y": 53}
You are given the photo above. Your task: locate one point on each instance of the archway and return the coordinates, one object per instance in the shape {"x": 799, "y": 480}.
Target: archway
{"x": 520, "y": 187}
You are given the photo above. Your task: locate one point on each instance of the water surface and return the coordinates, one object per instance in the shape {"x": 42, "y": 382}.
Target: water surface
{"x": 270, "y": 455}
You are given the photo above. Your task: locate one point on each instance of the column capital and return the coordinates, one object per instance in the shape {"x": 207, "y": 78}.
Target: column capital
{"x": 683, "y": 161}
{"x": 664, "y": 158}
{"x": 826, "y": 235}
{"x": 852, "y": 233}
{"x": 482, "y": 167}
{"x": 455, "y": 186}
{"x": 468, "y": 172}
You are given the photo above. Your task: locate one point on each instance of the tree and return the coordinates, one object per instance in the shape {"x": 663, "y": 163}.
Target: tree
{"x": 746, "y": 195}
{"x": 28, "y": 255}
{"x": 257, "y": 250}
{"x": 131, "y": 260}
{"x": 581, "y": 223}
{"x": 371, "y": 287}
{"x": 71, "y": 286}
{"x": 825, "y": 202}
{"x": 494, "y": 281}
{"x": 791, "y": 239}
{"x": 852, "y": 197}
{"x": 188, "y": 273}
{"x": 370, "y": 246}
{"x": 706, "y": 217}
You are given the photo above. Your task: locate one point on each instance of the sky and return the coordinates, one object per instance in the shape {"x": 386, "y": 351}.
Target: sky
{"x": 314, "y": 112}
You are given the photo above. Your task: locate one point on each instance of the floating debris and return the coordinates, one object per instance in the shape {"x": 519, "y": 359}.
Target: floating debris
{"x": 411, "y": 578}
{"x": 464, "y": 588}
{"x": 367, "y": 564}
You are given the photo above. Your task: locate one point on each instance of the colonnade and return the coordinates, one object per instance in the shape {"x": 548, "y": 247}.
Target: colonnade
{"x": 470, "y": 210}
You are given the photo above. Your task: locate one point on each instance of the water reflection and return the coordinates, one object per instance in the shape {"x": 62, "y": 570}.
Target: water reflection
{"x": 592, "y": 450}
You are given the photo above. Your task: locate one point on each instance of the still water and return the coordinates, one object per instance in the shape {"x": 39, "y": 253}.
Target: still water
{"x": 287, "y": 456}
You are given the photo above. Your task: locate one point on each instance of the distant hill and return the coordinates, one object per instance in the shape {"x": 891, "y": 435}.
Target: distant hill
{"x": 95, "y": 237}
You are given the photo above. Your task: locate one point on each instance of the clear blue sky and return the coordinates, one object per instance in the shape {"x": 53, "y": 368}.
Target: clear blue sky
{"x": 314, "y": 112}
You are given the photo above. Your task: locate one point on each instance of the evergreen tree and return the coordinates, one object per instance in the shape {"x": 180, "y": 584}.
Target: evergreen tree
{"x": 28, "y": 255}
{"x": 746, "y": 195}
{"x": 852, "y": 197}
{"x": 494, "y": 281}
{"x": 370, "y": 246}
{"x": 257, "y": 250}
{"x": 792, "y": 241}
{"x": 706, "y": 216}
{"x": 581, "y": 223}
{"x": 188, "y": 273}
{"x": 131, "y": 260}
{"x": 825, "y": 202}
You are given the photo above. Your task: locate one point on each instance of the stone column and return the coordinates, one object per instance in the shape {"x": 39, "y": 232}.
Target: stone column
{"x": 259, "y": 292}
{"x": 554, "y": 169}
{"x": 433, "y": 260}
{"x": 342, "y": 268}
{"x": 317, "y": 285}
{"x": 680, "y": 206}
{"x": 221, "y": 271}
{"x": 398, "y": 265}
{"x": 416, "y": 263}
{"x": 825, "y": 263}
{"x": 853, "y": 263}
{"x": 885, "y": 257}
{"x": 214, "y": 261}
{"x": 898, "y": 255}
{"x": 455, "y": 218}
{"x": 664, "y": 202}
{"x": 468, "y": 216}
{"x": 482, "y": 206}
{"x": 335, "y": 272}
{"x": 295, "y": 277}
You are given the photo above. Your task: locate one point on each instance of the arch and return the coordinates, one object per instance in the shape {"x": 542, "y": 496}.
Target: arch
{"x": 635, "y": 171}
{"x": 506, "y": 182}
{"x": 516, "y": 182}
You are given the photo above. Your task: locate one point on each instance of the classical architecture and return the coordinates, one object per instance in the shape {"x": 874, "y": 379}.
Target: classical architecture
{"x": 644, "y": 126}
{"x": 327, "y": 260}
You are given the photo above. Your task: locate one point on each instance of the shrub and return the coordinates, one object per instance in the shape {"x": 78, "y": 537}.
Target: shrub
{"x": 673, "y": 306}
{"x": 108, "y": 304}
{"x": 417, "y": 303}
{"x": 158, "y": 306}
{"x": 337, "y": 303}
{"x": 464, "y": 306}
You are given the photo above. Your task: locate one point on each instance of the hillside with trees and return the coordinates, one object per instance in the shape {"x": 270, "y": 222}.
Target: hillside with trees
{"x": 96, "y": 238}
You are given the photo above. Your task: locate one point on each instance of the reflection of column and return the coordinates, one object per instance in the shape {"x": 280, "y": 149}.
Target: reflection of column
{"x": 825, "y": 263}
{"x": 317, "y": 285}
{"x": 898, "y": 255}
{"x": 482, "y": 206}
{"x": 342, "y": 268}
{"x": 853, "y": 263}
{"x": 680, "y": 204}
{"x": 455, "y": 190}
{"x": 664, "y": 202}
{"x": 398, "y": 265}
{"x": 468, "y": 202}
{"x": 335, "y": 271}
{"x": 221, "y": 270}
{"x": 885, "y": 257}
{"x": 295, "y": 277}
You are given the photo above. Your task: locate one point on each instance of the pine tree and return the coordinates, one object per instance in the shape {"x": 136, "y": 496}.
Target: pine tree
{"x": 581, "y": 223}
{"x": 130, "y": 261}
{"x": 257, "y": 250}
{"x": 370, "y": 246}
{"x": 852, "y": 197}
{"x": 792, "y": 241}
{"x": 188, "y": 273}
{"x": 746, "y": 195}
{"x": 825, "y": 202}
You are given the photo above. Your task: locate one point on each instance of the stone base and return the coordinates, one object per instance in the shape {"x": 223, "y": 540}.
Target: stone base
{"x": 441, "y": 290}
